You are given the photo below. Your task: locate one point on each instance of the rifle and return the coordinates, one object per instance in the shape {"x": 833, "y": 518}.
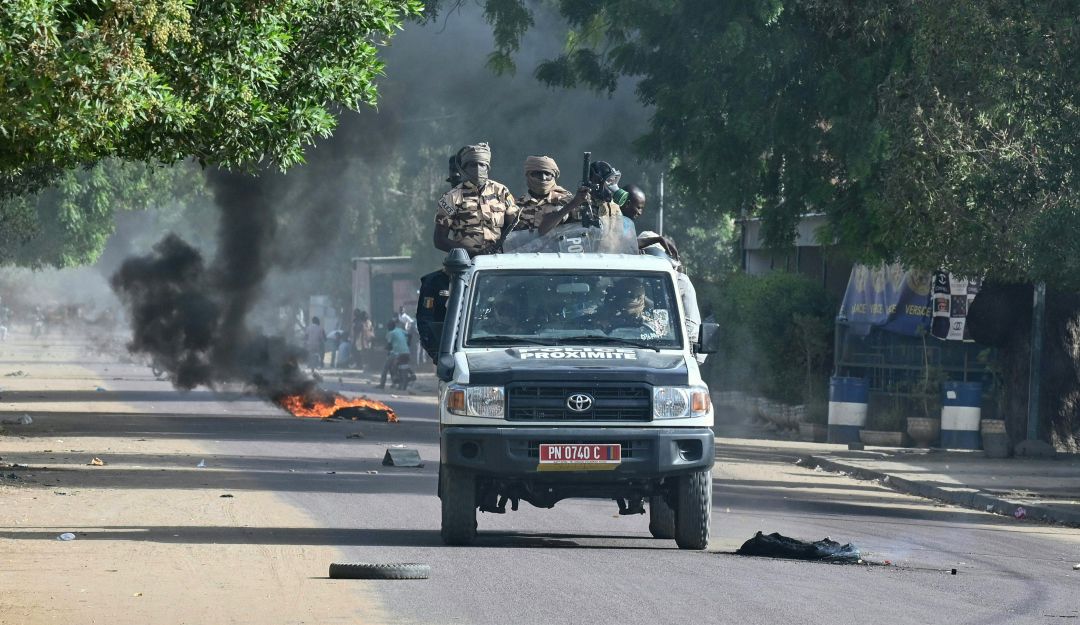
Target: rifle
{"x": 589, "y": 218}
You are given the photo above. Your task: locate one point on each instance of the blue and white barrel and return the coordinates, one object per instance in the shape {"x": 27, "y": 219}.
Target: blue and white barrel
{"x": 847, "y": 408}
{"x": 960, "y": 414}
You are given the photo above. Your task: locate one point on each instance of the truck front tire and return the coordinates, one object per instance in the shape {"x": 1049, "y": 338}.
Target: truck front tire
{"x": 458, "y": 496}
{"x": 661, "y": 518}
{"x": 693, "y": 510}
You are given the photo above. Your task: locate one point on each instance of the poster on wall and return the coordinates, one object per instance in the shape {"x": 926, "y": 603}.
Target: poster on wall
{"x": 889, "y": 297}
{"x": 951, "y": 301}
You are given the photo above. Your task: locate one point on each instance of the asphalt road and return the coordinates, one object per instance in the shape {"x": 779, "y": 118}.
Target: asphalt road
{"x": 580, "y": 562}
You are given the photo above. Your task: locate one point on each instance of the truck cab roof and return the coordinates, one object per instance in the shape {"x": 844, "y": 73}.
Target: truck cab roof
{"x": 587, "y": 261}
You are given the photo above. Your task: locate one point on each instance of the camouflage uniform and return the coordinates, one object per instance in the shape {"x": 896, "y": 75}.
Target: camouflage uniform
{"x": 475, "y": 219}
{"x": 533, "y": 209}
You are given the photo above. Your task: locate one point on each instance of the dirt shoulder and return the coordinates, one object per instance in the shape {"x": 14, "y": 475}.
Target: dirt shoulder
{"x": 147, "y": 549}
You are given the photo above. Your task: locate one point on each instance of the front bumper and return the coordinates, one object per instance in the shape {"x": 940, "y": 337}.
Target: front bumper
{"x": 513, "y": 452}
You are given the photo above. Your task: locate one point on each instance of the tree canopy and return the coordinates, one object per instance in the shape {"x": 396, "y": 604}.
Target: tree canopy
{"x": 938, "y": 134}
{"x": 229, "y": 83}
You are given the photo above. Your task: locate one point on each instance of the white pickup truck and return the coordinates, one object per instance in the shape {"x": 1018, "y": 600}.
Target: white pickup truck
{"x": 566, "y": 375}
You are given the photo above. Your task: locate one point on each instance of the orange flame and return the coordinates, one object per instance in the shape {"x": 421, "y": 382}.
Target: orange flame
{"x": 304, "y": 406}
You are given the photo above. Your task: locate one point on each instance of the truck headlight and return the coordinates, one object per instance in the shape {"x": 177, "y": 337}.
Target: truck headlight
{"x": 476, "y": 401}
{"x": 673, "y": 402}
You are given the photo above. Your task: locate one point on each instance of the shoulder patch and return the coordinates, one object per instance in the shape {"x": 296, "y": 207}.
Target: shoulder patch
{"x": 446, "y": 204}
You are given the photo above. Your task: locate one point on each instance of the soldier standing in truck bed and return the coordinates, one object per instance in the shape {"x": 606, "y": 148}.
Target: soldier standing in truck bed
{"x": 473, "y": 215}
{"x": 544, "y": 195}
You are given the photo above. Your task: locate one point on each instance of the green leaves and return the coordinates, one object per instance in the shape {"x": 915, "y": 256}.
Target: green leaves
{"x": 228, "y": 82}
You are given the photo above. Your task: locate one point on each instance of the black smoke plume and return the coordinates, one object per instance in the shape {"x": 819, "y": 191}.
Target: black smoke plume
{"x": 190, "y": 317}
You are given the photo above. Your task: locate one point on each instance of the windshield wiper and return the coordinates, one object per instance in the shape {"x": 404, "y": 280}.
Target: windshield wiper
{"x": 506, "y": 338}
{"x": 608, "y": 339}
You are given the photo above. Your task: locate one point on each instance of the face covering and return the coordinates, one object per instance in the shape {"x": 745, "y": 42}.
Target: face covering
{"x": 540, "y": 163}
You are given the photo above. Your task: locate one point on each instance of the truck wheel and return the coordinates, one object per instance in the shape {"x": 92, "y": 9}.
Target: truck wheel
{"x": 661, "y": 518}
{"x": 458, "y": 507}
{"x": 694, "y": 510}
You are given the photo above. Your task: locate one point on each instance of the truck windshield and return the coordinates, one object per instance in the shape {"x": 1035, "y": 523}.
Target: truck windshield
{"x": 598, "y": 308}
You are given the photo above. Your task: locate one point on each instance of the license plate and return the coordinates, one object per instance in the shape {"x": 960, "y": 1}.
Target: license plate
{"x": 579, "y": 456}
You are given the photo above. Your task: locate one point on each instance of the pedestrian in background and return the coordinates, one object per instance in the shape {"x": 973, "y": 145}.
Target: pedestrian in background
{"x": 316, "y": 342}
{"x": 397, "y": 344}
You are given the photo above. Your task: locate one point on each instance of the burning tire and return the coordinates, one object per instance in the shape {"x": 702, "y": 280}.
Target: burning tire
{"x": 458, "y": 494}
{"x": 380, "y": 571}
{"x": 693, "y": 510}
{"x": 661, "y": 518}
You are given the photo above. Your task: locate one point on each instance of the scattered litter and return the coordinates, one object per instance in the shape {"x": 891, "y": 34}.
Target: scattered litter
{"x": 818, "y": 470}
{"x": 331, "y": 472}
{"x": 96, "y": 462}
{"x": 138, "y": 594}
{"x": 401, "y": 456}
{"x": 1076, "y": 567}
{"x": 989, "y": 507}
{"x": 12, "y": 476}
{"x": 100, "y": 389}
{"x": 885, "y": 480}
{"x": 1020, "y": 512}
{"x": 776, "y": 546}
{"x": 355, "y": 435}
{"x": 66, "y": 536}
{"x": 23, "y": 420}
{"x": 953, "y": 571}
{"x": 372, "y": 472}
{"x": 201, "y": 465}
{"x": 888, "y": 563}
{"x": 15, "y": 374}
{"x": 59, "y": 492}
{"x": 226, "y": 496}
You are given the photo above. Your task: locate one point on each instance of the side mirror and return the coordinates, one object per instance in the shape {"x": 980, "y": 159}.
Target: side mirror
{"x": 708, "y": 338}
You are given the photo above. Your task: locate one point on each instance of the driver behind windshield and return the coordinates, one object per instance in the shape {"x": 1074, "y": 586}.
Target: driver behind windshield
{"x": 625, "y": 306}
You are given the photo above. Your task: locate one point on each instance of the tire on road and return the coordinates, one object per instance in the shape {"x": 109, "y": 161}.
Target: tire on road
{"x": 693, "y": 511}
{"x": 458, "y": 506}
{"x": 661, "y": 518}
{"x": 380, "y": 571}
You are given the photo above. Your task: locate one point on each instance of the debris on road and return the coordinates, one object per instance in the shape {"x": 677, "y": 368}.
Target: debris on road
{"x": 100, "y": 389}
{"x": 355, "y": 435}
{"x": 408, "y": 570}
{"x": 95, "y": 462}
{"x": 1076, "y": 567}
{"x": 226, "y": 496}
{"x": 66, "y": 536}
{"x": 23, "y": 420}
{"x": 776, "y": 546}
{"x": 201, "y": 465}
{"x": 953, "y": 571}
{"x": 402, "y": 457}
{"x": 1020, "y": 512}
{"x": 372, "y": 472}
{"x": 16, "y": 374}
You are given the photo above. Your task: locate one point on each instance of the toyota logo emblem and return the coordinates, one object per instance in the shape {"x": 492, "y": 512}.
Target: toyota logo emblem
{"x": 579, "y": 402}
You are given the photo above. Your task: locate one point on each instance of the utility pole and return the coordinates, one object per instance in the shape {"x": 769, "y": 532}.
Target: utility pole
{"x": 1034, "y": 446}
{"x": 660, "y": 214}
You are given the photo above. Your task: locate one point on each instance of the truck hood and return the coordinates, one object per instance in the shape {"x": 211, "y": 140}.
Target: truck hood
{"x": 577, "y": 363}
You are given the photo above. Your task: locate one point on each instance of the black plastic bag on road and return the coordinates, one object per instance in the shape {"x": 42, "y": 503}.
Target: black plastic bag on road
{"x": 776, "y": 546}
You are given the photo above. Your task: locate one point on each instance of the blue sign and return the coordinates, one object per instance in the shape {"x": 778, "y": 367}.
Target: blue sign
{"x": 889, "y": 297}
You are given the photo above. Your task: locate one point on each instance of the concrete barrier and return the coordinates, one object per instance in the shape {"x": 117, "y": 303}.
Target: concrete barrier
{"x": 961, "y": 411}
{"x": 847, "y": 408}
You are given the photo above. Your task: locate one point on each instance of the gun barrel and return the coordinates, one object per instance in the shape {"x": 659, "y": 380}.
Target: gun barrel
{"x": 585, "y": 168}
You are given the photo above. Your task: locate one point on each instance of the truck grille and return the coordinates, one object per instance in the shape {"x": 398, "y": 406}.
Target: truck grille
{"x": 533, "y": 401}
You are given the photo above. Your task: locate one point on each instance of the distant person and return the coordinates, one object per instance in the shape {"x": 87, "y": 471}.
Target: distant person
{"x": 635, "y": 202}
{"x": 397, "y": 344}
{"x": 343, "y": 351}
{"x": 544, "y": 196}
{"x": 473, "y": 215}
{"x": 316, "y": 342}
{"x": 404, "y": 320}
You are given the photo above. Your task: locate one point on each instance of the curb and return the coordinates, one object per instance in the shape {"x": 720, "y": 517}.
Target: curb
{"x": 964, "y": 497}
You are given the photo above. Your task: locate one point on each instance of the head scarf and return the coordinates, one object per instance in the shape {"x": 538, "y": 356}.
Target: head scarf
{"x": 479, "y": 153}
{"x": 541, "y": 163}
